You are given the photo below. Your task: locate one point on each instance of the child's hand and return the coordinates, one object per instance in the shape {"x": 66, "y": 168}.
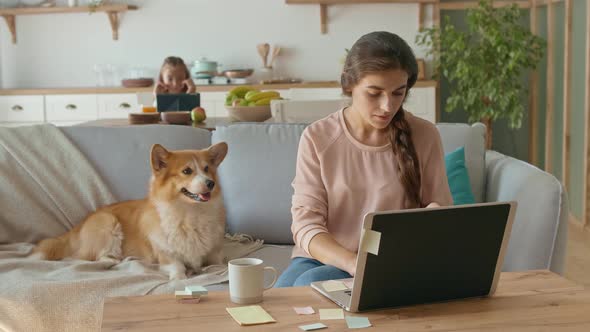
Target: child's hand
{"x": 160, "y": 88}
{"x": 190, "y": 85}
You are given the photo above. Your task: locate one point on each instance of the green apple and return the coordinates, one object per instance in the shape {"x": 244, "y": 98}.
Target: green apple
{"x": 230, "y": 98}
{"x": 198, "y": 114}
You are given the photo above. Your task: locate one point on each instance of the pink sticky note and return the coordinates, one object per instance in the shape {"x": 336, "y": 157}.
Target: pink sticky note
{"x": 304, "y": 310}
{"x": 349, "y": 283}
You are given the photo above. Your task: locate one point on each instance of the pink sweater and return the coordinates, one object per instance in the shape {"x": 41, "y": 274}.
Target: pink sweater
{"x": 338, "y": 180}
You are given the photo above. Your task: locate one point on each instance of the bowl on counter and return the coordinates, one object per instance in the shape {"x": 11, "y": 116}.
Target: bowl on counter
{"x": 144, "y": 118}
{"x": 176, "y": 117}
{"x": 137, "y": 82}
{"x": 249, "y": 113}
{"x": 238, "y": 73}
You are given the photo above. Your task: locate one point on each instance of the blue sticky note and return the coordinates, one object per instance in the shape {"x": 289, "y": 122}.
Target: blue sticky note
{"x": 357, "y": 322}
{"x": 196, "y": 290}
{"x": 311, "y": 327}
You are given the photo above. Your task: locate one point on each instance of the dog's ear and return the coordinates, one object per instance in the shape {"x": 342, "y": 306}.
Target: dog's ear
{"x": 159, "y": 156}
{"x": 217, "y": 153}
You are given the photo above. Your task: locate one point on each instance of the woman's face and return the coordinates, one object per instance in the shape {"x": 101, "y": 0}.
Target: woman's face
{"x": 173, "y": 77}
{"x": 378, "y": 97}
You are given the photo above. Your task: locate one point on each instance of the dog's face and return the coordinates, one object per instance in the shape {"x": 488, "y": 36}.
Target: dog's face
{"x": 186, "y": 175}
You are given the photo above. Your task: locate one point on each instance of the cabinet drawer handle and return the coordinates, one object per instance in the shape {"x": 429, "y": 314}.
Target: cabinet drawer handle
{"x": 124, "y": 105}
{"x": 71, "y": 107}
{"x": 17, "y": 108}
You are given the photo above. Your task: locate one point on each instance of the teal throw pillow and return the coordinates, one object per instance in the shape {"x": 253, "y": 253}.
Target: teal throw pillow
{"x": 459, "y": 177}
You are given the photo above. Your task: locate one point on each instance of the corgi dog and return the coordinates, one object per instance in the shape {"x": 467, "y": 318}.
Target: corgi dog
{"x": 180, "y": 225}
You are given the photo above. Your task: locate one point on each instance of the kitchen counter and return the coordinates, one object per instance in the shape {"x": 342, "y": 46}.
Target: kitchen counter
{"x": 210, "y": 123}
{"x": 200, "y": 88}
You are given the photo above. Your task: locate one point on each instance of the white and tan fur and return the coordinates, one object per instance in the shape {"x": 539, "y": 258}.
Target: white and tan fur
{"x": 180, "y": 225}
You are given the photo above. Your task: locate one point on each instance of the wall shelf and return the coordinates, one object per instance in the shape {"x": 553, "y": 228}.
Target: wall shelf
{"x": 325, "y": 3}
{"x": 112, "y": 12}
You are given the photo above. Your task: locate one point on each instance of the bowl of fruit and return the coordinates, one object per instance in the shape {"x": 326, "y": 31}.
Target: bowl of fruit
{"x": 247, "y": 104}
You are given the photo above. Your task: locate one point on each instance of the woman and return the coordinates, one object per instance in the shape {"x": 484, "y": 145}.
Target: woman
{"x": 372, "y": 155}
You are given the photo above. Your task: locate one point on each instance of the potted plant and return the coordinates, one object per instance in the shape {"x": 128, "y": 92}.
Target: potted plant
{"x": 486, "y": 63}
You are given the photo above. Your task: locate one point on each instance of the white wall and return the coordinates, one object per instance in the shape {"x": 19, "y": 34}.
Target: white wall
{"x": 61, "y": 50}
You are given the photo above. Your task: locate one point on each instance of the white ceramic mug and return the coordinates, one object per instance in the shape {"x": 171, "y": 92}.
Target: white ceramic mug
{"x": 246, "y": 280}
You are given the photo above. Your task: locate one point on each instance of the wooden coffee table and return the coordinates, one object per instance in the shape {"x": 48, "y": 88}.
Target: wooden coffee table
{"x": 524, "y": 301}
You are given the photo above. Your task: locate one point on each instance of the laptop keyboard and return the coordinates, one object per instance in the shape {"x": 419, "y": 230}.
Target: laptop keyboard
{"x": 348, "y": 292}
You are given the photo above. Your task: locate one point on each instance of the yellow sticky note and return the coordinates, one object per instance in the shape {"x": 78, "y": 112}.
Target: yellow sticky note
{"x": 349, "y": 283}
{"x": 250, "y": 315}
{"x": 333, "y": 285}
{"x": 370, "y": 240}
{"x": 331, "y": 314}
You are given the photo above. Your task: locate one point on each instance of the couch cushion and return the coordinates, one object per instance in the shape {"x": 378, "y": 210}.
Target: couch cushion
{"x": 256, "y": 178}
{"x": 456, "y": 135}
{"x": 121, "y": 155}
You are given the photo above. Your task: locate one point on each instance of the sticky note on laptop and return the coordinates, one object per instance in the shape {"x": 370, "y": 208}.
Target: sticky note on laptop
{"x": 370, "y": 241}
{"x": 357, "y": 322}
{"x": 334, "y": 285}
{"x": 331, "y": 314}
{"x": 312, "y": 327}
{"x": 250, "y": 315}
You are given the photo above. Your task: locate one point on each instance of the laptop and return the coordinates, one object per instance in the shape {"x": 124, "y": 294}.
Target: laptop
{"x": 417, "y": 256}
{"x": 178, "y": 102}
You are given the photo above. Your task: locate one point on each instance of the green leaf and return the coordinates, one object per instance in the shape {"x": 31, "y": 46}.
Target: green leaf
{"x": 489, "y": 59}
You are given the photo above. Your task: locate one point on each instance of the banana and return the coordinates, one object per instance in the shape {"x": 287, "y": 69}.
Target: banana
{"x": 240, "y": 91}
{"x": 265, "y": 101}
{"x": 262, "y": 95}
{"x": 250, "y": 94}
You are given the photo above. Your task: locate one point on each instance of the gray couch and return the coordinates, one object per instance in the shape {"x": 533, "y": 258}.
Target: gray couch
{"x": 257, "y": 173}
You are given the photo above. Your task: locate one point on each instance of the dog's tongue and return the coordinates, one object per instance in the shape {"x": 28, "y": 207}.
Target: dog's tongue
{"x": 205, "y": 196}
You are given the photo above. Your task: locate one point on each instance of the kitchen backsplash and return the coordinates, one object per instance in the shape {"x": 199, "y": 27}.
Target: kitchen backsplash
{"x": 66, "y": 50}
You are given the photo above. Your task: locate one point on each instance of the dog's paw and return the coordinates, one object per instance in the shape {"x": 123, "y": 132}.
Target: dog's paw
{"x": 109, "y": 259}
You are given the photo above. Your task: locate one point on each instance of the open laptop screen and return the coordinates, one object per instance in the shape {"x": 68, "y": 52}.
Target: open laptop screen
{"x": 433, "y": 255}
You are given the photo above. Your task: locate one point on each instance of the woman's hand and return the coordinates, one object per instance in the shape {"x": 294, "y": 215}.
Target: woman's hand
{"x": 351, "y": 265}
{"x": 325, "y": 249}
{"x": 190, "y": 85}
{"x": 432, "y": 205}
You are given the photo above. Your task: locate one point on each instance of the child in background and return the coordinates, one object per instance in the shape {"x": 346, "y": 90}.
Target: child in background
{"x": 174, "y": 77}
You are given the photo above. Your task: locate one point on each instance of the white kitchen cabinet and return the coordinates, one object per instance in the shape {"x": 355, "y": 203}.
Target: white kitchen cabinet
{"x": 16, "y": 110}
{"x": 71, "y": 108}
{"x": 315, "y": 94}
{"x": 117, "y": 106}
{"x": 421, "y": 101}
{"x": 213, "y": 103}
{"x": 68, "y": 109}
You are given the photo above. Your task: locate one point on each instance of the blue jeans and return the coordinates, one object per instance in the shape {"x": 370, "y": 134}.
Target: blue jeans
{"x": 303, "y": 271}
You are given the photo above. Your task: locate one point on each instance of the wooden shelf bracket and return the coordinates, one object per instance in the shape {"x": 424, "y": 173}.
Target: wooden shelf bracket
{"x": 11, "y": 23}
{"x": 114, "y": 19}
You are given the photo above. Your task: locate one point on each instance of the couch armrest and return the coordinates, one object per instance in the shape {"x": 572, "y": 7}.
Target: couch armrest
{"x": 539, "y": 233}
